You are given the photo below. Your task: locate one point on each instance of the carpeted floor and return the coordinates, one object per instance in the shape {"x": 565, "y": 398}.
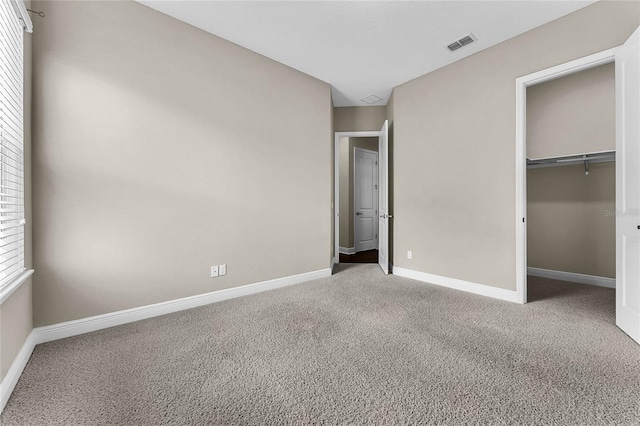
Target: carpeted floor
{"x": 357, "y": 347}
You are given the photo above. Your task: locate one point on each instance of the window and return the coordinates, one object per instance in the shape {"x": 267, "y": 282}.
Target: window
{"x": 13, "y": 22}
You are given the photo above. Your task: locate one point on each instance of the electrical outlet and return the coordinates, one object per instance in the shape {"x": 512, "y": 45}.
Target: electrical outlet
{"x": 223, "y": 270}
{"x": 409, "y": 255}
{"x": 214, "y": 271}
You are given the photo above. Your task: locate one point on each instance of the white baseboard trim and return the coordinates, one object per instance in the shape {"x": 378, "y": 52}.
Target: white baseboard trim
{"x": 572, "y": 277}
{"x": 456, "y": 284}
{"x": 17, "y": 367}
{"x": 347, "y": 250}
{"x": 99, "y": 322}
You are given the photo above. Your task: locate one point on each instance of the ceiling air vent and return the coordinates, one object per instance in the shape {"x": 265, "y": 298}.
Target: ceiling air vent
{"x": 371, "y": 99}
{"x": 470, "y": 38}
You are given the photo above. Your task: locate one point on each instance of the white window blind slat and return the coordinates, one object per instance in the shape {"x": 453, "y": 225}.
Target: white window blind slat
{"x": 10, "y": 41}
{"x": 9, "y": 160}
{"x": 16, "y": 176}
{"x": 10, "y": 169}
{"x": 11, "y": 273}
{"x": 11, "y": 243}
{"x": 10, "y": 114}
{"x": 11, "y": 144}
{"x": 10, "y": 261}
{"x": 8, "y": 84}
{"x": 12, "y": 102}
{"x": 8, "y": 71}
{"x": 9, "y": 227}
{"x": 12, "y": 193}
{"x": 14, "y": 268}
{"x": 10, "y": 81}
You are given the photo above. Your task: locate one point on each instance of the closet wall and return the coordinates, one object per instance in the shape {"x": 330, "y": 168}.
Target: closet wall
{"x": 571, "y": 221}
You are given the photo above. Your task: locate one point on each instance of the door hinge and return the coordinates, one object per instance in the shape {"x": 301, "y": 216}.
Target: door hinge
{"x": 376, "y": 163}
{"x": 376, "y": 186}
{"x": 523, "y": 220}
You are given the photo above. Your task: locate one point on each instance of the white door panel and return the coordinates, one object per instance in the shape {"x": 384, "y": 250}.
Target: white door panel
{"x": 383, "y": 198}
{"x": 365, "y": 200}
{"x": 628, "y": 187}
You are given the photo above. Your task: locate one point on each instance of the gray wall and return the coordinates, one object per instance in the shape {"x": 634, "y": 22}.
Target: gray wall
{"x": 572, "y": 115}
{"x": 16, "y": 313}
{"x": 15, "y": 325}
{"x": 454, "y": 131}
{"x": 347, "y": 185}
{"x": 160, "y": 150}
{"x": 571, "y": 226}
{"x": 358, "y": 119}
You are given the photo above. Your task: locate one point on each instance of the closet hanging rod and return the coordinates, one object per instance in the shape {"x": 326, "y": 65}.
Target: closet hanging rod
{"x": 598, "y": 157}
{"x": 586, "y": 157}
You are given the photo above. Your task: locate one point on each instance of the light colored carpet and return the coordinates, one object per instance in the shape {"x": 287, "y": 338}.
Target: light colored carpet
{"x": 357, "y": 347}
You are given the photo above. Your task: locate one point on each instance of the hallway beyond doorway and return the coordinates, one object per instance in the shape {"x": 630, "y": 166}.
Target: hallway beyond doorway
{"x": 368, "y": 256}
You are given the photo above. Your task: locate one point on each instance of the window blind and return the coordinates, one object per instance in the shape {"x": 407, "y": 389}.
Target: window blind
{"x": 11, "y": 144}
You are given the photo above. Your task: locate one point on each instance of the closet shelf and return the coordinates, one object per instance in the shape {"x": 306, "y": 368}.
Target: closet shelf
{"x": 569, "y": 160}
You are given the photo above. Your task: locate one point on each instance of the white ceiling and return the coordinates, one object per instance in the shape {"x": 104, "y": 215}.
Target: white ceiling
{"x": 361, "y": 47}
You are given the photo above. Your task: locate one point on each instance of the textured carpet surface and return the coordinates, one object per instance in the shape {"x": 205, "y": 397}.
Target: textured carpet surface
{"x": 355, "y": 348}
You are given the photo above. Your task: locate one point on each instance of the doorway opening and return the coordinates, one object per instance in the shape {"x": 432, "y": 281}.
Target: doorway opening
{"x": 535, "y": 152}
{"x": 571, "y": 234}
{"x": 358, "y": 200}
{"x": 361, "y": 197}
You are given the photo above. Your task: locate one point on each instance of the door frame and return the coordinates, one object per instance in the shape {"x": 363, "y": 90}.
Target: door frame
{"x": 562, "y": 70}
{"x": 355, "y": 148}
{"x": 336, "y": 183}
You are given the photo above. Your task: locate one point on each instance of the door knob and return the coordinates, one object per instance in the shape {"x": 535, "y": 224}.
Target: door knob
{"x": 358, "y": 213}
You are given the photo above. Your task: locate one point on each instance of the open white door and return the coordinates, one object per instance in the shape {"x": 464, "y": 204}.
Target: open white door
{"x": 383, "y": 198}
{"x": 628, "y": 187}
{"x": 365, "y": 200}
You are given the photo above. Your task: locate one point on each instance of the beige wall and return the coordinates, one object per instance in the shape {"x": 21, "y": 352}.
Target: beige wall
{"x": 572, "y": 115}
{"x": 571, "y": 223}
{"x": 15, "y": 325}
{"x": 160, "y": 150}
{"x": 16, "y": 313}
{"x": 454, "y": 131}
{"x": 358, "y": 119}
{"x": 347, "y": 183}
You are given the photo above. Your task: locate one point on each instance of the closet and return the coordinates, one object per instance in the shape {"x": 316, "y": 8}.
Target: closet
{"x": 571, "y": 179}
